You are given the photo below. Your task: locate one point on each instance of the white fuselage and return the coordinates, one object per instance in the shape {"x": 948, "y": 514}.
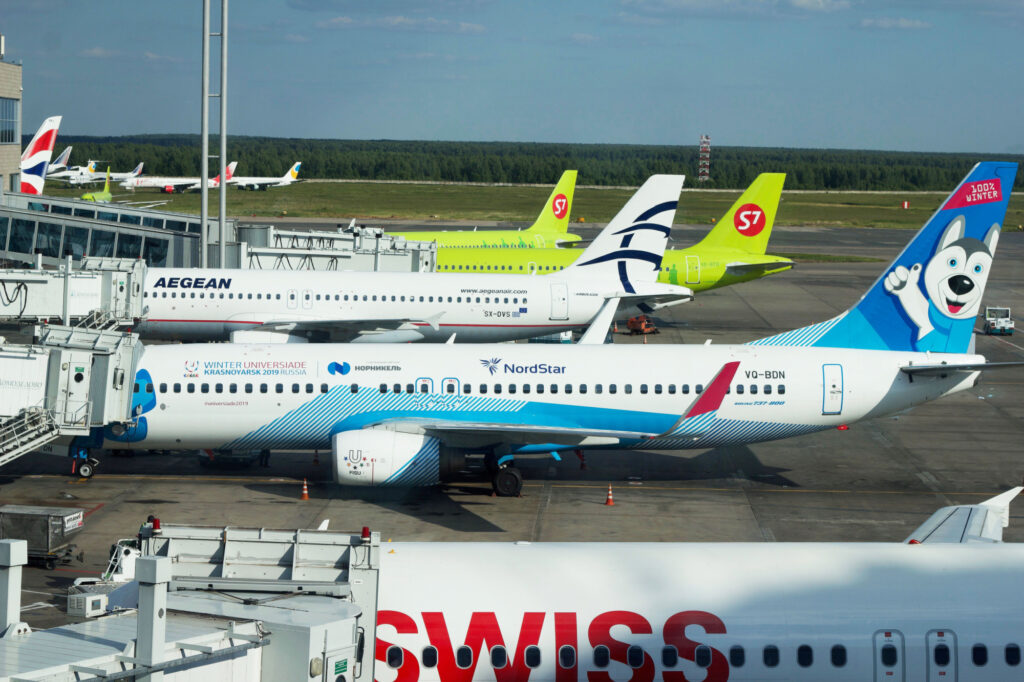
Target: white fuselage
{"x": 297, "y": 396}
{"x": 700, "y": 611}
{"x": 210, "y": 304}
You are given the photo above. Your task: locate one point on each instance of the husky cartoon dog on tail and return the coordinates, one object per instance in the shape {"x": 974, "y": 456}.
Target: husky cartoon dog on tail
{"x": 927, "y": 299}
{"x": 954, "y": 280}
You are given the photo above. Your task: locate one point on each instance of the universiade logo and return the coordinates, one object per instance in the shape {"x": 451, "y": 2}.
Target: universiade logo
{"x": 339, "y": 368}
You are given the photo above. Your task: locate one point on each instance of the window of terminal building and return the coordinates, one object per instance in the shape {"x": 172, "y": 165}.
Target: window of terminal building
{"x": 107, "y": 216}
{"x": 129, "y": 219}
{"x": 175, "y": 225}
{"x": 129, "y": 245}
{"x": 75, "y": 241}
{"x": 63, "y": 210}
{"x": 48, "y": 239}
{"x": 102, "y": 244}
{"x": 4, "y": 224}
{"x": 8, "y": 121}
{"x": 154, "y": 252}
{"x": 23, "y": 235}
{"x": 152, "y": 222}
{"x": 85, "y": 213}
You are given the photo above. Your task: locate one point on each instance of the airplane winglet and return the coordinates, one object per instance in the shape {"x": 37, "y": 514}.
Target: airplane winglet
{"x": 712, "y": 397}
{"x": 1000, "y": 504}
{"x": 967, "y": 523}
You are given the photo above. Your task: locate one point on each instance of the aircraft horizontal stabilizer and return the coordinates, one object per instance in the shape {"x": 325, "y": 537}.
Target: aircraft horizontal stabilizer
{"x": 938, "y": 370}
{"x": 963, "y": 523}
{"x": 597, "y": 332}
{"x": 758, "y": 268}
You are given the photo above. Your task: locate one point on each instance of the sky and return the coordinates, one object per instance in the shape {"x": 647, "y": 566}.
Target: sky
{"x": 920, "y": 75}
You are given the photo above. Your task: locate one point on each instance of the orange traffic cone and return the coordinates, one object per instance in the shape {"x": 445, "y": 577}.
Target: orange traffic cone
{"x": 609, "y": 501}
{"x": 305, "y": 490}
{"x": 316, "y": 458}
{"x": 615, "y": 327}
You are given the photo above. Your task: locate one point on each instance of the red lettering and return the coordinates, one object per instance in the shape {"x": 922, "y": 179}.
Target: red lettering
{"x": 483, "y": 633}
{"x": 600, "y": 633}
{"x": 566, "y": 635}
{"x": 403, "y": 625}
{"x": 675, "y": 635}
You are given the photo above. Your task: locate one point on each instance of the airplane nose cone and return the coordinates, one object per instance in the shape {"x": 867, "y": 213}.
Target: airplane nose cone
{"x": 960, "y": 284}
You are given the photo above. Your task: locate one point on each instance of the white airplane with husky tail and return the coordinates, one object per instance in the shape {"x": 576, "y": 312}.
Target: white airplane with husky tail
{"x": 170, "y": 185}
{"x": 92, "y": 174}
{"x": 263, "y": 183}
{"x": 944, "y": 605}
{"x": 380, "y": 307}
{"x": 405, "y": 415}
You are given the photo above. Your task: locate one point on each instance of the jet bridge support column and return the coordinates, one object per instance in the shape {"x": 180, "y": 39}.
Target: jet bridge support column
{"x": 153, "y": 572}
{"x": 13, "y": 555}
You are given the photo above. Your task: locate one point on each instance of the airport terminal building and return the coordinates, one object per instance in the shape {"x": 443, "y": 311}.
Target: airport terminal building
{"x": 10, "y": 124}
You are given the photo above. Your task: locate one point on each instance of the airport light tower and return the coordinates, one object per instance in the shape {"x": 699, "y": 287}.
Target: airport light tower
{"x": 703, "y": 158}
{"x": 204, "y": 171}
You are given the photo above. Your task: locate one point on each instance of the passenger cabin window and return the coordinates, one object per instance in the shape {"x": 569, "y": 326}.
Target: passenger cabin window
{"x": 635, "y": 656}
{"x": 354, "y": 388}
{"x": 264, "y": 388}
{"x": 566, "y": 657}
{"x": 979, "y": 654}
{"x": 804, "y": 656}
{"x": 324, "y": 388}
{"x": 1012, "y": 654}
{"x": 702, "y": 656}
{"x": 449, "y": 388}
{"x": 279, "y": 388}
{"x": 669, "y": 656}
{"x": 177, "y": 388}
{"x": 191, "y": 388}
{"x": 941, "y": 655}
{"x": 163, "y": 388}
{"x": 889, "y": 656}
{"x": 737, "y": 656}
{"x": 429, "y": 657}
{"x": 467, "y": 388}
{"x": 463, "y": 657}
{"x": 839, "y": 655}
{"x": 532, "y": 656}
{"x": 394, "y": 656}
{"x": 612, "y": 388}
{"x": 499, "y": 657}
{"x": 205, "y": 388}
{"x": 782, "y": 389}
{"x": 771, "y": 656}
{"x": 602, "y": 656}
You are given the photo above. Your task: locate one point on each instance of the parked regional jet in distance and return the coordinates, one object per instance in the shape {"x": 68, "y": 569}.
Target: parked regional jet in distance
{"x": 170, "y": 185}
{"x": 732, "y": 252}
{"x": 36, "y": 157}
{"x": 380, "y": 307}
{"x": 258, "y": 183}
{"x": 59, "y": 164}
{"x": 407, "y": 415}
{"x": 92, "y": 175}
{"x": 946, "y": 609}
{"x": 549, "y": 230}
{"x": 74, "y": 175}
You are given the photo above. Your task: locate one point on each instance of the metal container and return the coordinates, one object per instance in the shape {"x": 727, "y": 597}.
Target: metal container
{"x": 45, "y": 529}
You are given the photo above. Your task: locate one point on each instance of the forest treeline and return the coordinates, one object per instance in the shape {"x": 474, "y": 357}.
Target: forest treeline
{"x": 523, "y": 162}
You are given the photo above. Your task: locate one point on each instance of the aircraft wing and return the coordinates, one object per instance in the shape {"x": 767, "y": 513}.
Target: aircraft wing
{"x": 520, "y": 434}
{"x": 940, "y": 369}
{"x": 963, "y": 523}
{"x": 371, "y": 330}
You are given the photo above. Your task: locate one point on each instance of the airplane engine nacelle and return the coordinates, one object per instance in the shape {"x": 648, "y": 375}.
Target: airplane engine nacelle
{"x": 385, "y": 458}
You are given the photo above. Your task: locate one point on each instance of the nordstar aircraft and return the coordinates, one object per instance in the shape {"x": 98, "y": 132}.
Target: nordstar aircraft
{"x": 407, "y": 415}
{"x": 382, "y": 307}
{"x": 732, "y": 252}
{"x": 262, "y": 183}
{"x": 549, "y": 230}
{"x": 945, "y": 605}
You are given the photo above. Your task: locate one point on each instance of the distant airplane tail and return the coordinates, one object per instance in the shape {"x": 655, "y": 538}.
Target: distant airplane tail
{"x": 631, "y": 247}
{"x": 36, "y": 157}
{"x": 137, "y": 171}
{"x": 228, "y": 174}
{"x": 928, "y": 298}
{"x": 554, "y": 217}
{"x": 61, "y": 161}
{"x": 106, "y": 185}
{"x": 293, "y": 173}
{"x": 91, "y": 167}
{"x": 747, "y": 226}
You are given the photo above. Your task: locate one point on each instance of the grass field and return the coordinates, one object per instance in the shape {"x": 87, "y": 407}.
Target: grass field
{"x": 521, "y": 204}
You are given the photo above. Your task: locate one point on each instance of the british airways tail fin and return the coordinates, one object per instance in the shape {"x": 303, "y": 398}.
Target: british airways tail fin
{"x": 36, "y": 157}
{"x": 747, "y": 225}
{"x": 630, "y": 248}
{"x": 928, "y": 298}
{"x": 554, "y": 217}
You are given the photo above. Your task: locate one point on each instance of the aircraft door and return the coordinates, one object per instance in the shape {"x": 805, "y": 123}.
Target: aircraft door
{"x": 307, "y": 298}
{"x": 293, "y": 299}
{"x": 560, "y": 301}
{"x": 889, "y": 663}
{"x": 75, "y": 377}
{"x": 832, "y": 389}
{"x": 942, "y": 663}
{"x": 693, "y": 269}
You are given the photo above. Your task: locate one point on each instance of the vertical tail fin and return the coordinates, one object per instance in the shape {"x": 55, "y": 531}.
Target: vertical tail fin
{"x": 106, "y": 185}
{"x": 630, "y": 248}
{"x": 60, "y": 162}
{"x": 293, "y": 173}
{"x": 230, "y": 172}
{"x": 36, "y": 157}
{"x": 554, "y": 217}
{"x": 137, "y": 170}
{"x": 927, "y": 299}
{"x": 747, "y": 226}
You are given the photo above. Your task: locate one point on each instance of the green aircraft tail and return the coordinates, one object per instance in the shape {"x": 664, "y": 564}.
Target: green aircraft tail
{"x": 748, "y": 224}
{"x": 106, "y": 185}
{"x": 554, "y": 217}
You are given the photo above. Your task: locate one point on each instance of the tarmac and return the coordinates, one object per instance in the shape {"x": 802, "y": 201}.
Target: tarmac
{"x": 875, "y": 482}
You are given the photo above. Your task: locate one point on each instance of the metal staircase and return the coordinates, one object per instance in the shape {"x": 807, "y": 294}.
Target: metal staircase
{"x": 99, "y": 319}
{"x": 26, "y": 431}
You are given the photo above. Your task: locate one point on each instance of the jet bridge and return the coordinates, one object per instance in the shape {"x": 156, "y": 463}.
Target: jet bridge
{"x": 72, "y": 380}
{"x": 104, "y": 293}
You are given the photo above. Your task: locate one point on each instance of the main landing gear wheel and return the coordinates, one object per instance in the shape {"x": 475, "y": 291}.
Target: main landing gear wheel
{"x": 508, "y": 482}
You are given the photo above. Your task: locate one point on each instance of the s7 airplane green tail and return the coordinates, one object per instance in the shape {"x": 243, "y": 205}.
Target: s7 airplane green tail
{"x": 548, "y": 231}
{"x": 732, "y": 252}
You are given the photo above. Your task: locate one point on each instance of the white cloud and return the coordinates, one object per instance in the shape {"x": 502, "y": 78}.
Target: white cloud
{"x": 895, "y": 23}
{"x": 820, "y": 5}
{"x": 295, "y": 38}
{"x": 99, "y": 53}
{"x": 583, "y": 38}
{"x": 404, "y": 23}
{"x": 154, "y": 57}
